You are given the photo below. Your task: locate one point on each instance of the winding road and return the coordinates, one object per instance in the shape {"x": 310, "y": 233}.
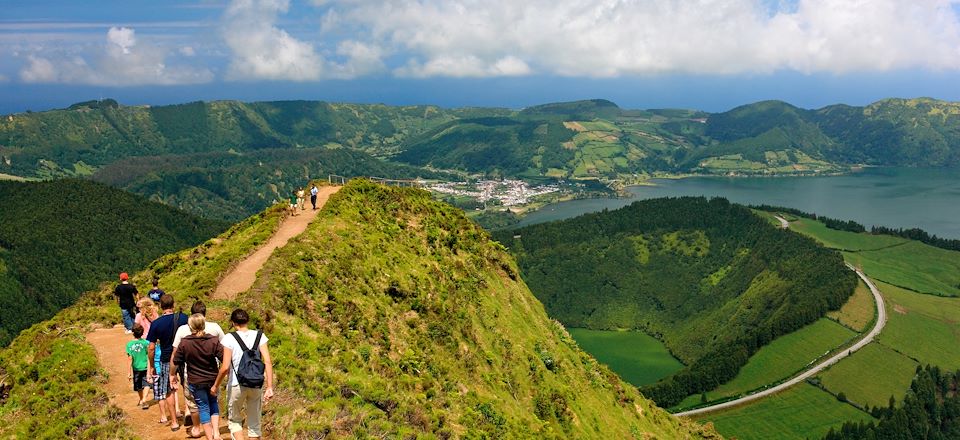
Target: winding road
{"x": 868, "y": 338}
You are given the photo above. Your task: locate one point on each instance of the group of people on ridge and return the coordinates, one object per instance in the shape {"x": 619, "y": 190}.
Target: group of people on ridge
{"x": 172, "y": 352}
{"x": 297, "y": 199}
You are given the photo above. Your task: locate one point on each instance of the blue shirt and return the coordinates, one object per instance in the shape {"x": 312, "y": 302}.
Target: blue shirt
{"x": 162, "y": 332}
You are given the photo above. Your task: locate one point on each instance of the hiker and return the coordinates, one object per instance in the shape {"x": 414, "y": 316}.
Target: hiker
{"x": 243, "y": 393}
{"x": 293, "y": 202}
{"x": 300, "y": 199}
{"x": 210, "y": 328}
{"x": 155, "y": 293}
{"x": 146, "y": 316}
{"x": 127, "y": 297}
{"x": 313, "y": 196}
{"x": 161, "y": 334}
{"x": 137, "y": 351}
{"x": 201, "y": 352}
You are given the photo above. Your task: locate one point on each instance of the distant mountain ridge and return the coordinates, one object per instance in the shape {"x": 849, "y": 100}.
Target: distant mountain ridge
{"x": 591, "y": 139}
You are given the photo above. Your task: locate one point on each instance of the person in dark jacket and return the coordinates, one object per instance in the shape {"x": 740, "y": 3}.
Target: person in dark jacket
{"x": 207, "y": 364}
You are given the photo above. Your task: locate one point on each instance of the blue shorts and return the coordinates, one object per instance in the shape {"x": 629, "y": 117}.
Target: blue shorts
{"x": 139, "y": 380}
{"x": 207, "y": 404}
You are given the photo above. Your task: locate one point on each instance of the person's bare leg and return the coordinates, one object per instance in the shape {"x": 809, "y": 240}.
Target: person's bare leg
{"x": 172, "y": 403}
{"x": 163, "y": 410}
{"x": 208, "y": 430}
{"x": 215, "y": 422}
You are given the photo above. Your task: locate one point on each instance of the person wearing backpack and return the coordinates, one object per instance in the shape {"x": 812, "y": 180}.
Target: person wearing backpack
{"x": 251, "y": 375}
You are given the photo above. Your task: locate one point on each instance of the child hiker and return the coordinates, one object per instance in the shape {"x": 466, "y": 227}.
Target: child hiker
{"x": 137, "y": 351}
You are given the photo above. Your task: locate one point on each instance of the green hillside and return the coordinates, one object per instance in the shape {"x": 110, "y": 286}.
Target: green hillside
{"x": 87, "y": 136}
{"x": 392, "y": 316}
{"x": 63, "y": 237}
{"x": 225, "y": 185}
{"x": 711, "y": 279}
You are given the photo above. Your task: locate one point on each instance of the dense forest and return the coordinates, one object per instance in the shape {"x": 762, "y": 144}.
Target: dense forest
{"x": 930, "y": 411}
{"x": 61, "y": 238}
{"x": 233, "y": 186}
{"x": 711, "y": 279}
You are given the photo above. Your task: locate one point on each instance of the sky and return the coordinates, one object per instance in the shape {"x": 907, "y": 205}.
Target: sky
{"x": 706, "y": 54}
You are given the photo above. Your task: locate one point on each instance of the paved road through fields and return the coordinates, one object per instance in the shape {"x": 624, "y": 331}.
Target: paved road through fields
{"x": 881, "y": 321}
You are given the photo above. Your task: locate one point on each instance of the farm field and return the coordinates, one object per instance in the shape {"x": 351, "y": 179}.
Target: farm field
{"x": 858, "y": 313}
{"x": 637, "y": 357}
{"x": 893, "y": 260}
{"x": 851, "y": 241}
{"x": 923, "y": 327}
{"x": 803, "y": 411}
{"x": 913, "y": 265}
{"x": 781, "y": 358}
{"x": 871, "y": 375}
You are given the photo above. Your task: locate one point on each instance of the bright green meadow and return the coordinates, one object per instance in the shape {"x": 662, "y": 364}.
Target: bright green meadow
{"x": 637, "y": 357}
{"x": 871, "y": 375}
{"x": 781, "y": 358}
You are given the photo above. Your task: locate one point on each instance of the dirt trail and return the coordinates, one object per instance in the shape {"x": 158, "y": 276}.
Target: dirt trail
{"x": 110, "y": 343}
{"x": 244, "y": 274}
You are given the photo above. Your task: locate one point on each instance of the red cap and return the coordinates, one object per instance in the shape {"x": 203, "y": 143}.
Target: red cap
{"x": 124, "y": 276}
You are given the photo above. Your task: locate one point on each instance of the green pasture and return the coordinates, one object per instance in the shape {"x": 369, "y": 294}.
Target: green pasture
{"x": 803, "y": 411}
{"x": 914, "y": 265}
{"x": 923, "y": 327}
{"x": 781, "y": 358}
{"x": 871, "y": 375}
{"x": 852, "y": 241}
{"x": 637, "y": 357}
{"x": 859, "y": 311}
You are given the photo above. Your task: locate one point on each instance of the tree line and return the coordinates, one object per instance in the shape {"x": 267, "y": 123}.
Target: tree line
{"x": 930, "y": 411}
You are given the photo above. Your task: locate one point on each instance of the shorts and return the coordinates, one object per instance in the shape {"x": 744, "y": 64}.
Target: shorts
{"x": 139, "y": 380}
{"x": 161, "y": 382}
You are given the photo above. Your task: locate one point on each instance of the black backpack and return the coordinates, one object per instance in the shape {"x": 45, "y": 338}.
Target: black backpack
{"x": 250, "y": 370}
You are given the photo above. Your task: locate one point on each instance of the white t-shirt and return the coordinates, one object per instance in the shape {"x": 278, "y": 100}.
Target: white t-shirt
{"x": 228, "y": 341}
{"x": 210, "y": 328}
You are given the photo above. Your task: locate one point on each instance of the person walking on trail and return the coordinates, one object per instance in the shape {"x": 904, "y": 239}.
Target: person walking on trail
{"x": 210, "y": 328}
{"x": 313, "y": 196}
{"x": 293, "y": 203}
{"x": 146, "y": 316}
{"x": 300, "y": 198}
{"x": 244, "y": 394}
{"x": 160, "y": 338}
{"x": 137, "y": 351}
{"x": 127, "y": 297}
{"x": 155, "y": 293}
{"x": 200, "y": 353}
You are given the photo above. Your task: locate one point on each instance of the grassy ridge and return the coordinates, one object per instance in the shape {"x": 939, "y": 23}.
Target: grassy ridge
{"x": 914, "y": 265}
{"x": 393, "y": 315}
{"x": 921, "y": 326}
{"x": 637, "y": 357}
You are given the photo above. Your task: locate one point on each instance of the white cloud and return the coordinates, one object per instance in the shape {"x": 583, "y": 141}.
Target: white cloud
{"x": 622, "y": 37}
{"x": 122, "y": 61}
{"x": 261, "y": 50}
{"x": 122, "y": 37}
{"x": 187, "y": 51}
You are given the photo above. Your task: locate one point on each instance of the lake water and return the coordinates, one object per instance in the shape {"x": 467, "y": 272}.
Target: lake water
{"x": 897, "y": 197}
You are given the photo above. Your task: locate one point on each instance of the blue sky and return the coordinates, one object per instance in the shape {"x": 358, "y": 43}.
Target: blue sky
{"x": 705, "y": 54}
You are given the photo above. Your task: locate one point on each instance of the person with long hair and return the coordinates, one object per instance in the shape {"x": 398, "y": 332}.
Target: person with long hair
{"x": 201, "y": 352}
